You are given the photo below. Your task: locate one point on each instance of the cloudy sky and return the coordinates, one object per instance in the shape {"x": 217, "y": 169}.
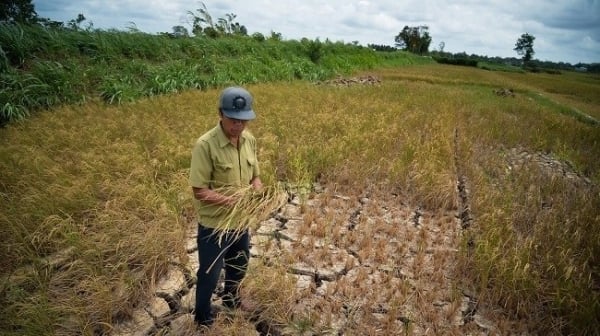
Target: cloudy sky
{"x": 564, "y": 30}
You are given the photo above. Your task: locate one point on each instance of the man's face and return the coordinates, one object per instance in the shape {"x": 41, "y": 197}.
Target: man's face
{"x": 232, "y": 127}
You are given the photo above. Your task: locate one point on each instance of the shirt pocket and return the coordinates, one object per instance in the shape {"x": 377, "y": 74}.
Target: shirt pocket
{"x": 223, "y": 173}
{"x": 249, "y": 169}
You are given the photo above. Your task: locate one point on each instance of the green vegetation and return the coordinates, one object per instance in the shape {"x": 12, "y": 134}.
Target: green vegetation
{"x": 524, "y": 47}
{"x": 456, "y": 61}
{"x": 95, "y": 196}
{"x": 414, "y": 39}
{"x": 499, "y": 67}
{"x": 43, "y": 67}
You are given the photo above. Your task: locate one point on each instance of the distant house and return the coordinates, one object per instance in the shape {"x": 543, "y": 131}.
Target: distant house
{"x": 581, "y": 69}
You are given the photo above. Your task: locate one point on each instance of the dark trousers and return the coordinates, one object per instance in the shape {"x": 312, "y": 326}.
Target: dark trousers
{"x": 231, "y": 253}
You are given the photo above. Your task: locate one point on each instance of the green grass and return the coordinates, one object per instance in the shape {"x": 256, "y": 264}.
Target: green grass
{"x": 43, "y": 67}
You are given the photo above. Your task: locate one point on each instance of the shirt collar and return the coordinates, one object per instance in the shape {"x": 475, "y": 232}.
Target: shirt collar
{"x": 223, "y": 140}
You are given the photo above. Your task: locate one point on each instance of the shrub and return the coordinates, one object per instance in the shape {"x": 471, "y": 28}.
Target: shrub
{"x": 456, "y": 61}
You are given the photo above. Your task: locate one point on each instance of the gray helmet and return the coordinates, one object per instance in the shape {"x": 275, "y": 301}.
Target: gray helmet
{"x": 236, "y": 103}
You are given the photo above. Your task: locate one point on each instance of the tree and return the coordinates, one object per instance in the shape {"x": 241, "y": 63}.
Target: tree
{"x": 381, "y": 47}
{"x": 275, "y": 36}
{"x": 203, "y": 24}
{"x": 180, "y": 31}
{"x": 21, "y": 11}
{"x": 414, "y": 39}
{"x": 75, "y": 24}
{"x": 259, "y": 37}
{"x": 524, "y": 47}
{"x": 227, "y": 26}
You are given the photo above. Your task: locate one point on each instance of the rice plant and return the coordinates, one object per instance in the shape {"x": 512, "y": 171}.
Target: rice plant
{"x": 251, "y": 208}
{"x": 106, "y": 190}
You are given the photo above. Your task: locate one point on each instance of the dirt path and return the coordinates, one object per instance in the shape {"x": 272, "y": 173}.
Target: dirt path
{"x": 370, "y": 265}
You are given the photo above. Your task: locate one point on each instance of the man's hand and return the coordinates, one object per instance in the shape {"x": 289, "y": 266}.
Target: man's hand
{"x": 256, "y": 183}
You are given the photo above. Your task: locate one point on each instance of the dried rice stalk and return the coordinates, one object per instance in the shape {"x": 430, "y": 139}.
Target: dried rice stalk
{"x": 253, "y": 207}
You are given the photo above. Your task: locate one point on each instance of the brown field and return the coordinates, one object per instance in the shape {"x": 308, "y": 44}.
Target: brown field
{"x": 435, "y": 202}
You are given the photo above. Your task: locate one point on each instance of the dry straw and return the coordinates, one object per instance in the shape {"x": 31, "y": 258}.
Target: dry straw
{"x": 252, "y": 207}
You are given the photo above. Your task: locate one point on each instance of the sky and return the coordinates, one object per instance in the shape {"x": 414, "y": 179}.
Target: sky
{"x": 564, "y": 30}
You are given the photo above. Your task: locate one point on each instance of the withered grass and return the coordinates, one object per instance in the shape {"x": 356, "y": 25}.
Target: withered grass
{"x": 108, "y": 185}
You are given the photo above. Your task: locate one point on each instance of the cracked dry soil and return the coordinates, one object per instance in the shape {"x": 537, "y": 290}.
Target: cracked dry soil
{"x": 367, "y": 265}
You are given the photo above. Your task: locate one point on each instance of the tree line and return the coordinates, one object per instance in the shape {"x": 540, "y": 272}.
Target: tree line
{"x": 417, "y": 40}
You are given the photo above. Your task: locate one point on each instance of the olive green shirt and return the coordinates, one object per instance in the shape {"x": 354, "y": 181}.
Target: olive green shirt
{"x": 217, "y": 164}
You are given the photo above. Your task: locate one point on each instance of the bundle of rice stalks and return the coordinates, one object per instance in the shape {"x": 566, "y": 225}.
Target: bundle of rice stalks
{"x": 252, "y": 208}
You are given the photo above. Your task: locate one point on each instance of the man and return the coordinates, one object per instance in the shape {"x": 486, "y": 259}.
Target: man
{"x": 223, "y": 159}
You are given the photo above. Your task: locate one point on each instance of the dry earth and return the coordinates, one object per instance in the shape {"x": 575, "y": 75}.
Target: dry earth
{"x": 372, "y": 264}
{"x": 367, "y": 265}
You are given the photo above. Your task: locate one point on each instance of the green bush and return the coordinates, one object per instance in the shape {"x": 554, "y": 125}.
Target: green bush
{"x": 456, "y": 61}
